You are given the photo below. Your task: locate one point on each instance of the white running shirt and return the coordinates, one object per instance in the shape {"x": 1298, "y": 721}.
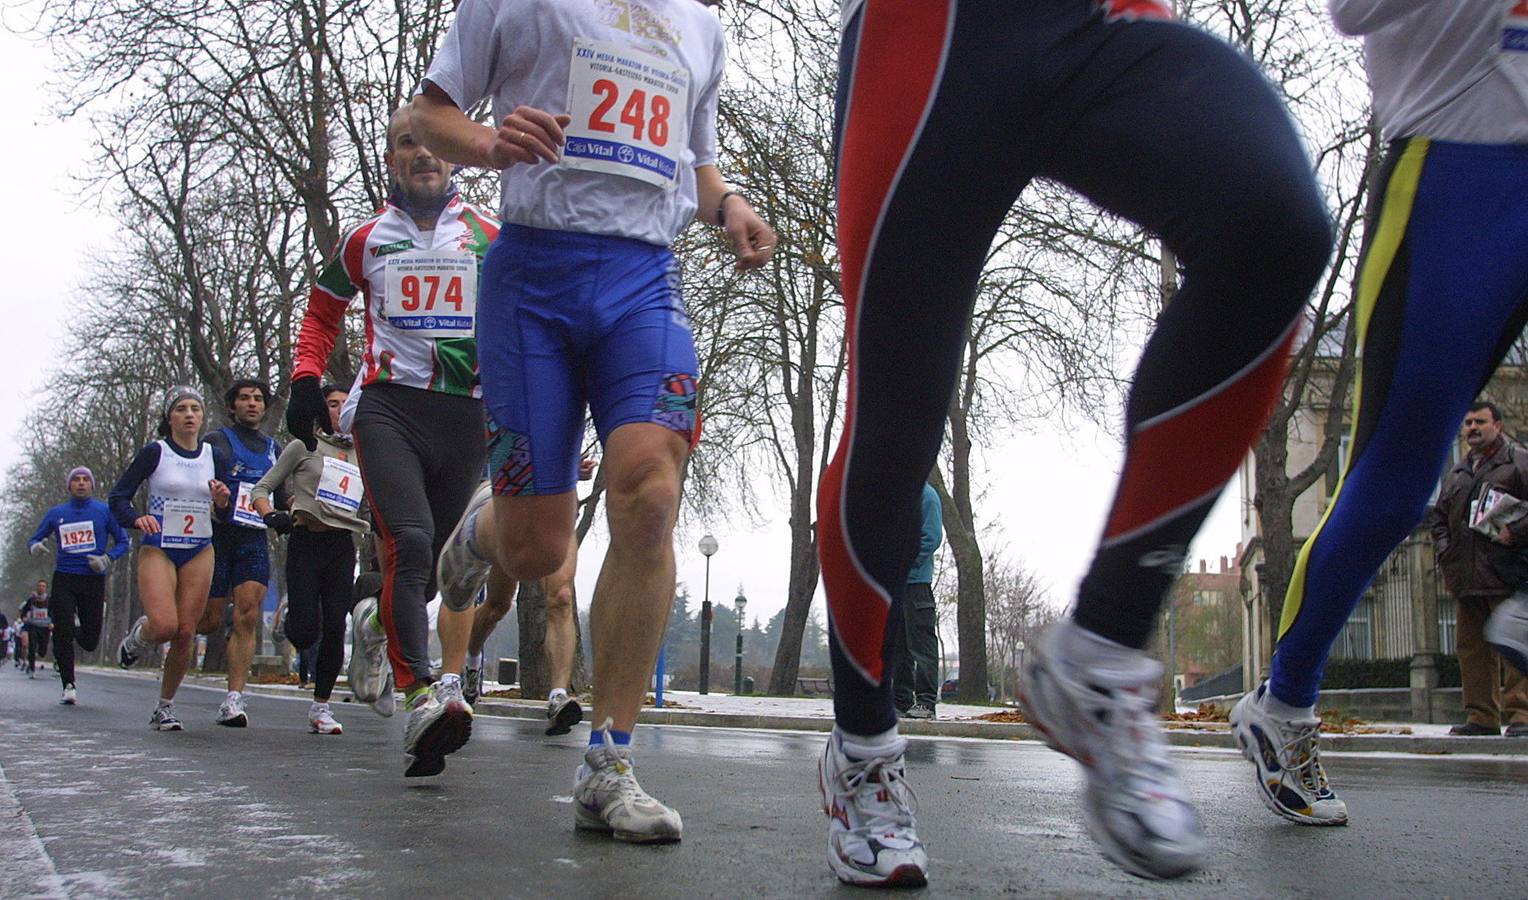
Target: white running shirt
{"x": 1451, "y": 70}
{"x": 640, "y": 77}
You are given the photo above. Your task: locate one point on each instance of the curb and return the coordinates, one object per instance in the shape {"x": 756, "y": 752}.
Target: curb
{"x": 953, "y": 728}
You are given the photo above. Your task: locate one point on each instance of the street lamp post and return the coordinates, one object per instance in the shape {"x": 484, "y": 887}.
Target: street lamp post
{"x": 708, "y": 546}
{"x": 737, "y": 668}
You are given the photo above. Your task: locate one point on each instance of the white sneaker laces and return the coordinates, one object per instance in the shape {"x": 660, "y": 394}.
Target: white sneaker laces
{"x": 867, "y": 778}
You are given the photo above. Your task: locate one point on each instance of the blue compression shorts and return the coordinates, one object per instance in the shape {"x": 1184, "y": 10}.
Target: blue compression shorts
{"x": 569, "y": 320}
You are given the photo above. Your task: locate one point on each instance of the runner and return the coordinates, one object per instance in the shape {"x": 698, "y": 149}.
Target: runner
{"x": 5, "y": 638}
{"x": 328, "y": 511}
{"x": 581, "y": 300}
{"x": 241, "y": 555}
{"x": 418, "y": 425}
{"x": 947, "y": 109}
{"x": 563, "y": 710}
{"x": 187, "y": 487}
{"x": 1442, "y": 297}
{"x": 38, "y": 624}
{"x": 79, "y": 527}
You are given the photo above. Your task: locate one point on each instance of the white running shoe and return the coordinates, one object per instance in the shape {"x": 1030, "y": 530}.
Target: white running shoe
{"x": 461, "y": 572}
{"x": 387, "y": 701}
{"x": 472, "y": 680}
{"x": 439, "y": 723}
{"x": 231, "y": 713}
{"x": 872, "y": 832}
{"x": 321, "y": 720}
{"x": 1507, "y": 630}
{"x": 368, "y": 654}
{"x": 562, "y": 713}
{"x": 607, "y": 798}
{"x": 1104, "y": 715}
{"x": 131, "y": 647}
{"x": 164, "y": 719}
{"x": 1287, "y": 756}
{"x": 69, "y": 697}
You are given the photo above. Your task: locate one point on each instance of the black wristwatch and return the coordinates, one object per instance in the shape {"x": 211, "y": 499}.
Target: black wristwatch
{"x": 721, "y": 208}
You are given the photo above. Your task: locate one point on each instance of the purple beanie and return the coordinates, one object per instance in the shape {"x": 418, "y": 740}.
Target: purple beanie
{"x": 80, "y": 470}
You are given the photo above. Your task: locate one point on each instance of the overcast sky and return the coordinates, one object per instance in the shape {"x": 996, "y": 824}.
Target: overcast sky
{"x": 1049, "y": 489}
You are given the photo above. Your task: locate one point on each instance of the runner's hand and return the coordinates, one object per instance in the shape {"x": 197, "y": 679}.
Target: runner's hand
{"x": 307, "y": 409}
{"x": 586, "y": 468}
{"x": 97, "y": 562}
{"x": 147, "y": 524}
{"x": 750, "y": 236}
{"x": 219, "y": 492}
{"x": 527, "y": 135}
{"x": 278, "y": 521}
{"x": 38, "y": 549}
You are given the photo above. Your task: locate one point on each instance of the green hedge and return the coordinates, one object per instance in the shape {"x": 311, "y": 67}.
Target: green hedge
{"x": 1344, "y": 674}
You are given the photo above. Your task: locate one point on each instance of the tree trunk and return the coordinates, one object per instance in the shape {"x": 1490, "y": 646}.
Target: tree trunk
{"x": 535, "y": 674}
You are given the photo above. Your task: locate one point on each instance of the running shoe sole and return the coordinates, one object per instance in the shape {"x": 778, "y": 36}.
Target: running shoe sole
{"x": 584, "y": 820}
{"x": 445, "y": 736}
{"x": 451, "y": 598}
{"x": 908, "y": 876}
{"x": 239, "y": 721}
{"x": 562, "y": 723}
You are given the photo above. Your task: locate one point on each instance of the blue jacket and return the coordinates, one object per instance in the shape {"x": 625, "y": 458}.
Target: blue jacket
{"x": 75, "y": 512}
{"x": 929, "y": 539}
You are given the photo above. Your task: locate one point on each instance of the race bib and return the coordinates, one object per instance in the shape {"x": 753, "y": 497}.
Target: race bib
{"x": 431, "y": 293}
{"x": 340, "y": 486}
{"x": 187, "y": 523}
{"x": 76, "y": 537}
{"x": 630, "y": 113}
{"x": 244, "y": 507}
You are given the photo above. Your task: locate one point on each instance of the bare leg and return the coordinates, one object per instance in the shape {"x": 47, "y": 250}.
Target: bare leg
{"x": 190, "y": 593}
{"x": 501, "y": 597}
{"x": 247, "y": 598}
{"x": 636, "y": 584}
{"x": 455, "y": 629}
{"x": 560, "y": 635}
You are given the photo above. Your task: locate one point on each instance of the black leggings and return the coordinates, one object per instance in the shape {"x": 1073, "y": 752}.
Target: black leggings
{"x": 37, "y": 645}
{"x": 421, "y": 454}
{"x": 948, "y": 109}
{"x": 320, "y": 570}
{"x": 81, "y": 596}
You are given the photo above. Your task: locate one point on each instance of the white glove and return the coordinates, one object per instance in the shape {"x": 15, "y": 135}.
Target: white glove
{"x": 38, "y": 549}
{"x": 97, "y": 562}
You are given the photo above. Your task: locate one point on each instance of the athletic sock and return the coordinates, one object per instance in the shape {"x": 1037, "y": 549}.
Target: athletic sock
{"x": 556, "y": 694}
{"x": 1281, "y": 710}
{"x": 859, "y": 746}
{"x": 476, "y": 660}
{"x": 450, "y": 678}
{"x": 166, "y": 703}
{"x": 618, "y": 738}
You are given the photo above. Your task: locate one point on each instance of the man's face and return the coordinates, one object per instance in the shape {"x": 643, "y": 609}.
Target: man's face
{"x": 42, "y": 587}
{"x": 249, "y": 406}
{"x": 336, "y": 402}
{"x": 422, "y": 175}
{"x": 79, "y": 486}
{"x": 1480, "y": 429}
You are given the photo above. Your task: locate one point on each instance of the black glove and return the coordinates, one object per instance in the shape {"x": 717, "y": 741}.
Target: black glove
{"x": 305, "y": 409}
{"x": 278, "y": 520}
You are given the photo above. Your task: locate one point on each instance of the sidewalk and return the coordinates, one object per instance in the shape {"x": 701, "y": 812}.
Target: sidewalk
{"x": 954, "y": 721}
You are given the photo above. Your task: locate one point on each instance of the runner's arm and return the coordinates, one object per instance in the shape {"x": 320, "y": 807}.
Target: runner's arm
{"x": 1356, "y": 17}
{"x": 44, "y": 529}
{"x": 119, "y": 539}
{"x": 752, "y": 240}
{"x": 292, "y": 454}
{"x": 120, "y": 500}
{"x": 222, "y": 471}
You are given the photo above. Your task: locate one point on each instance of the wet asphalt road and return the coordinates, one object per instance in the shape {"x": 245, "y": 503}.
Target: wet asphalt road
{"x": 94, "y": 804}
